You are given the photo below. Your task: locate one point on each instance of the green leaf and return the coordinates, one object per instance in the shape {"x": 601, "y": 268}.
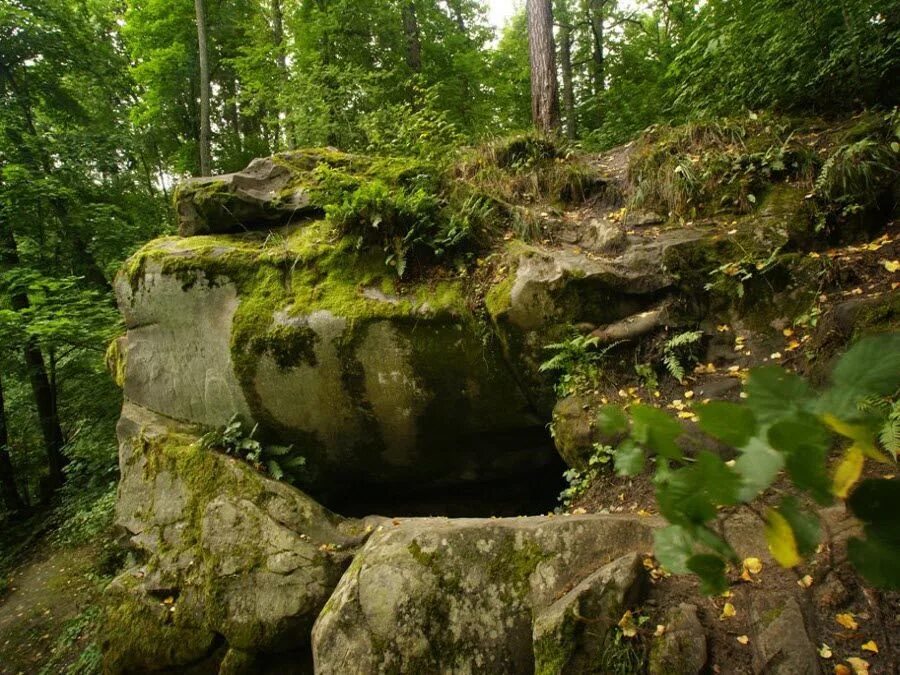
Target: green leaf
{"x": 804, "y": 441}
{"x": 729, "y": 422}
{"x": 629, "y": 458}
{"x": 656, "y": 430}
{"x": 611, "y": 420}
{"x": 690, "y": 495}
{"x": 876, "y": 560}
{"x": 870, "y": 367}
{"x": 672, "y": 546}
{"x": 758, "y": 466}
{"x": 876, "y": 502}
{"x": 773, "y": 393}
{"x": 711, "y": 570}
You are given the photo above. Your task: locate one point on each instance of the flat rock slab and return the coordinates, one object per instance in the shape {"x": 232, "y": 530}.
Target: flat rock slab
{"x": 441, "y": 595}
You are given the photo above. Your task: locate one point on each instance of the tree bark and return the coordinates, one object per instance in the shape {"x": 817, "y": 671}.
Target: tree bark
{"x": 413, "y": 37}
{"x": 8, "y": 490}
{"x": 565, "y": 58}
{"x": 544, "y": 88}
{"x": 203, "y": 56}
{"x": 598, "y": 65}
{"x": 41, "y": 387}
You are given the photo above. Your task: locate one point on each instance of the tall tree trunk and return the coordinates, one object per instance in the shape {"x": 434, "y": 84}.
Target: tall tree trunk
{"x": 565, "y": 58}
{"x": 413, "y": 38}
{"x": 598, "y": 66}
{"x": 283, "y": 136}
{"x": 41, "y": 387}
{"x": 544, "y": 89}
{"x": 205, "y": 162}
{"x": 8, "y": 490}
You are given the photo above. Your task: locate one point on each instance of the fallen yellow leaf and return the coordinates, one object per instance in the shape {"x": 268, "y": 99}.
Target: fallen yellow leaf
{"x": 806, "y": 581}
{"x": 860, "y": 666}
{"x": 728, "y": 611}
{"x": 870, "y": 646}
{"x": 743, "y": 639}
{"x": 660, "y": 630}
{"x": 627, "y": 624}
{"x": 841, "y": 669}
{"x": 891, "y": 265}
{"x": 825, "y": 651}
{"x": 847, "y": 621}
{"x": 753, "y": 565}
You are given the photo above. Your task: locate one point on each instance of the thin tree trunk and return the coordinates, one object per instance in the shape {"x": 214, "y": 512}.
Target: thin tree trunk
{"x": 544, "y": 88}
{"x": 205, "y": 161}
{"x": 598, "y": 65}
{"x": 413, "y": 38}
{"x": 8, "y": 490}
{"x": 44, "y": 394}
{"x": 282, "y": 131}
{"x": 565, "y": 57}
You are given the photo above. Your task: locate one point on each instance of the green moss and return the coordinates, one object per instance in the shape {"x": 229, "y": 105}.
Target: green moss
{"x": 553, "y": 652}
{"x": 116, "y": 360}
{"x": 499, "y": 298}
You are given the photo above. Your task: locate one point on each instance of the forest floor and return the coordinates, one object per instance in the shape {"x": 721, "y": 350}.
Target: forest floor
{"x": 50, "y": 604}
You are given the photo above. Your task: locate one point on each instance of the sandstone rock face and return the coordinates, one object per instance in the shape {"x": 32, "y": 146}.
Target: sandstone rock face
{"x": 681, "y": 649}
{"x": 227, "y": 556}
{"x": 478, "y": 595}
{"x": 373, "y": 387}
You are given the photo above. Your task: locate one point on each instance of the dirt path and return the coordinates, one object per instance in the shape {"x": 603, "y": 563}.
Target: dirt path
{"x": 48, "y": 614}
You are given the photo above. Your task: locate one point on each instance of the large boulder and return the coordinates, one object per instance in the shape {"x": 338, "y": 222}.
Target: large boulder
{"x": 479, "y": 595}
{"x": 376, "y": 384}
{"x": 225, "y": 556}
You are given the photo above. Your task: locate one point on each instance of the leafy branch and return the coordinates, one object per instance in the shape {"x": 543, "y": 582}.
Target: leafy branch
{"x": 784, "y": 425}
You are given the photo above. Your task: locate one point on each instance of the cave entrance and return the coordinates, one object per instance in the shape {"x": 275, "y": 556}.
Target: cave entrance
{"x": 523, "y": 492}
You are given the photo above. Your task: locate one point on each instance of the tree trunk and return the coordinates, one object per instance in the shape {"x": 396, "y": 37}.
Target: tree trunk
{"x": 8, "y": 490}
{"x": 282, "y": 131}
{"x": 598, "y": 67}
{"x": 565, "y": 57}
{"x": 43, "y": 391}
{"x": 413, "y": 38}
{"x": 205, "y": 162}
{"x": 544, "y": 89}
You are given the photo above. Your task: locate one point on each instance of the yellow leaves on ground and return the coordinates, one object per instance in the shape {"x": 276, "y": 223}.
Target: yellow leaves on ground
{"x": 627, "y": 625}
{"x": 825, "y": 651}
{"x": 805, "y": 581}
{"x": 848, "y": 471}
{"x": 728, "y": 611}
{"x": 841, "y": 669}
{"x": 750, "y": 566}
{"x": 781, "y": 540}
{"x": 870, "y": 646}
{"x": 847, "y": 621}
{"x": 860, "y": 666}
{"x": 891, "y": 265}
{"x": 743, "y": 639}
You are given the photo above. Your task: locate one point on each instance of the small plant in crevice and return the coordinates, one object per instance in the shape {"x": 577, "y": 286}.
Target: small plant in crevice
{"x": 579, "y": 481}
{"x": 678, "y": 352}
{"x": 730, "y": 278}
{"x": 274, "y": 460}
{"x": 577, "y": 362}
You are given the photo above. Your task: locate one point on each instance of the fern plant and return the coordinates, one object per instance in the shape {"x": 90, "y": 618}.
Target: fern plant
{"x": 275, "y": 460}
{"x": 678, "y": 350}
{"x": 578, "y": 362}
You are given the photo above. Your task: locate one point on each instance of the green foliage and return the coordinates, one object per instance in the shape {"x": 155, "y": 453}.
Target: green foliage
{"x": 577, "y": 363}
{"x": 678, "y": 352}
{"x": 783, "y": 424}
{"x": 731, "y": 278}
{"x": 275, "y": 460}
{"x": 579, "y": 481}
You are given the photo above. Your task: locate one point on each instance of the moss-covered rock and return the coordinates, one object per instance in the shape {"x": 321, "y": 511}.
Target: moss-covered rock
{"x": 439, "y": 595}
{"x": 226, "y": 556}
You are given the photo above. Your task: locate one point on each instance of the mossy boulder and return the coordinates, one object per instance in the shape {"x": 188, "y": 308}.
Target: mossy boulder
{"x": 373, "y": 381}
{"x": 225, "y": 556}
{"x": 441, "y": 595}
